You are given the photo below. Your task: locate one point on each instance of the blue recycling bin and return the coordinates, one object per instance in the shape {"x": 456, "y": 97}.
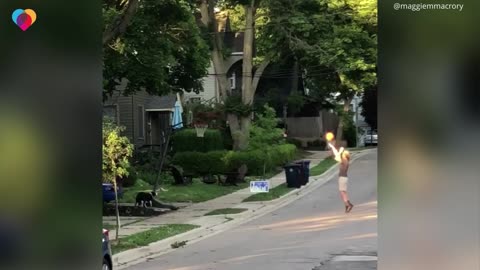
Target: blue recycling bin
{"x": 306, "y": 170}
{"x": 294, "y": 174}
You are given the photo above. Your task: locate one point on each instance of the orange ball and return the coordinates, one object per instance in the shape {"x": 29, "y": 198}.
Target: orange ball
{"x": 329, "y": 136}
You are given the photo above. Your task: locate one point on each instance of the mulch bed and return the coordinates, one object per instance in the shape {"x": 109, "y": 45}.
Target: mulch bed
{"x": 133, "y": 211}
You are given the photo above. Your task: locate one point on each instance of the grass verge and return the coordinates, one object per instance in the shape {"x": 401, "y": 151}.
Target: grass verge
{"x": 226, "y": 211}
{"x": 322, "y": 167}
{"x": 273, "y": 194}
{"x": 196, "y": 192}
{"x": 144, "y": 238}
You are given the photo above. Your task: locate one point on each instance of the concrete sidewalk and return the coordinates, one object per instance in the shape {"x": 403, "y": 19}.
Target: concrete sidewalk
{"x": 212, "y": 225}
{"x": 190, "y": 213}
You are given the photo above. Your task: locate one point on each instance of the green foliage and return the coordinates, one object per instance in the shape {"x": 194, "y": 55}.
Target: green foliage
{"x": 282, "y": 154}
{"x": 131, "y": 178}
{"x": 295, "y": 102}
{"x": 264, "y": 131}
{"x": 201, "y": 163}
{"x": 116, "y": 152}
{"x": 334, "y": 41}
{"x": 254, "y": 159}
{"x": 187, "y": 140}
{"x": 295, "y": 142}
{"x": 317, "y": 144}
{"x": 161, "y": 51}
{"x": 349, "y": 130}
{"x": 235, "y": 105}
{"x": 219, "y": 162}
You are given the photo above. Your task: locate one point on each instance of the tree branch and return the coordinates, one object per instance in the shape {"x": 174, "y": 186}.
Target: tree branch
{"x": 120, "y": 25}
{"x": 258, "y": 74}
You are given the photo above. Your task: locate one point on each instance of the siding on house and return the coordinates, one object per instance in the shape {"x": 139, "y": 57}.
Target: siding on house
{"x": 128, "y": 114}
{"x": 210, "y": 91}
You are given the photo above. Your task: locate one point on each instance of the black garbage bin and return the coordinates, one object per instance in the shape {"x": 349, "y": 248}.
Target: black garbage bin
{"x": 305, "y": 170}
{"x": 293, "y": 173}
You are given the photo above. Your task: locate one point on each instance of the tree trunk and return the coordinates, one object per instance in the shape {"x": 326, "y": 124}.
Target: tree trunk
{"x": 341, "y": 123}
{"x": 239, "y": 125}
{"x": 247, "y": 72}
{"x": 242, "y": 129}
{"x": 235, "y": 130}
{"x": 209, "y": 21}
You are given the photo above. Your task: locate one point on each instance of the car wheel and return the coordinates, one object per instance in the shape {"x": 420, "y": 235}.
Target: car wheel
{"x": 106, "y": 265}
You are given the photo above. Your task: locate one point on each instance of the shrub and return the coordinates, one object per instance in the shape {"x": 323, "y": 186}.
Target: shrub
{"x": 264, "y": 131}
{"x": 255, "y": 161}
{"x": 219, "y": 162}
{"x": 190, "y": 162}
{"x": 283, "y": 154}
{"x": 350, "y": 134}
{"x": 318, "y": 144}
{"x": 262, "y": 159}
{"x": 295, "y": 142}
{"x": 131, "y": 179}
{"x": 201, "y": 163}
{"x": 186, "y": 140}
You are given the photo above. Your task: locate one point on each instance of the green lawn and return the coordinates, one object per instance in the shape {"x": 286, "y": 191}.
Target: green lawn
{"x": 274, "y": 193}
{"x": 322, "y": 167}
{"x": 226, "y": 211}
{"x": 196, "y": 192}
{"x": 150, "y": 236}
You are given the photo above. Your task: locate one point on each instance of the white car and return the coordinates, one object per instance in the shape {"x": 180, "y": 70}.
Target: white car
{"x": 371, "y": 138}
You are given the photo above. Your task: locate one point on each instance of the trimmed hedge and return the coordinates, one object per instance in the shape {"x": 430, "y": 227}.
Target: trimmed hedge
{"x": 200, "y": 163}
{"x": 186, "y": 140}
{"x": 219, "y": 162}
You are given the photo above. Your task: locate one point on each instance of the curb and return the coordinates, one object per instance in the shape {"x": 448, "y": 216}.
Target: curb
{"x": 135, "y": 256}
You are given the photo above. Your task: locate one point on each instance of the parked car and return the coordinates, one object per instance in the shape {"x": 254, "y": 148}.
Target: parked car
{"x": 109, "y": 192}
{"x": 371, "y": 138}
{"x": 107, "y": 251}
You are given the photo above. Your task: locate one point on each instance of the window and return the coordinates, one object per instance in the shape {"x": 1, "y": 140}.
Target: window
{"x": 195, "y": 100}
{"x": 111, "y": 112}
{"x": 141, "y": 122}
{"x": 233, "y": 81}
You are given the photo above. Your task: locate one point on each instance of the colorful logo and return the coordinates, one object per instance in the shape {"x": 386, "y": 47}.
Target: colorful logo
{"x": 24, "y": 18}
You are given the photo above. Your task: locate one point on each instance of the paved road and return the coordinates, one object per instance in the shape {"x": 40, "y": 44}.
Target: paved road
{"x": 299, "y": 236}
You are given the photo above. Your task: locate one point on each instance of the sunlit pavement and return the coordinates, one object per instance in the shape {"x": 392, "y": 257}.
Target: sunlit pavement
{"x": 301, "y": 235}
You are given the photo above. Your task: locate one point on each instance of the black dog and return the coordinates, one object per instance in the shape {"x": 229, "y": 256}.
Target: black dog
{"x": 145, "y": 199}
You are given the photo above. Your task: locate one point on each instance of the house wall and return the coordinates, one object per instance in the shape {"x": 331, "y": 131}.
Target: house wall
{"x": 128, "y": 114}
{"x": 209, "y": 87}
{"x": 311, "y": 128}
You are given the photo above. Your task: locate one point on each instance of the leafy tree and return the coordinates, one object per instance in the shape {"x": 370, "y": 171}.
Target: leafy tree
{"x": 116, "y": 153}
{"x": 152, "y": 45}
{"x": 369, "y": 106}
{"x": 334, "y": 42}
{"x": 239, "y": 122}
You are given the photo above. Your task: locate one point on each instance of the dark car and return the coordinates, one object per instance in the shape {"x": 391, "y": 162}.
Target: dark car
{"x": 107, "y": 251}
{"x": 109, "y": 192}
